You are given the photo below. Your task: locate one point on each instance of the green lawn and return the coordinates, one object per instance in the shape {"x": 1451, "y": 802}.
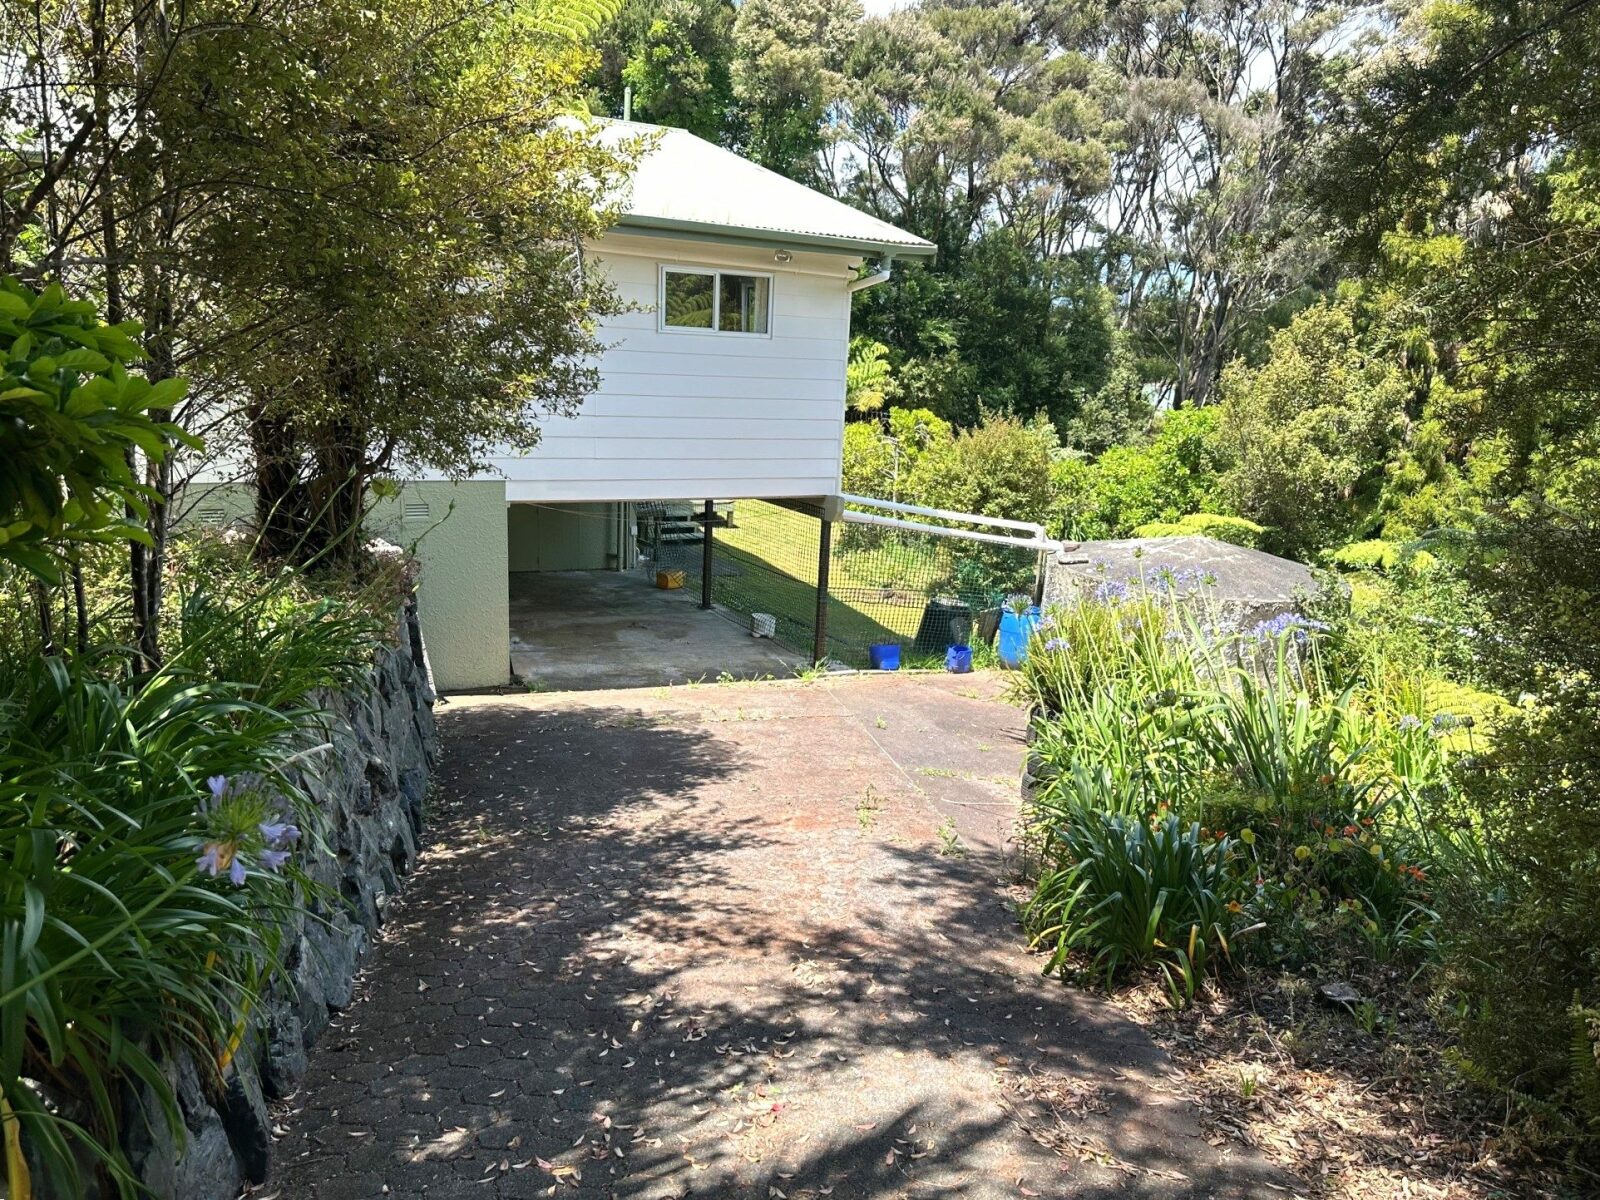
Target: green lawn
{"x": 875, "y": 594}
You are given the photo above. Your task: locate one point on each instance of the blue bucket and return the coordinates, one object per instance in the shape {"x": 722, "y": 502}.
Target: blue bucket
{"x": 1015, "y": 630}
{"x": 885, "y": 657}
{"x": 958, "y": 660}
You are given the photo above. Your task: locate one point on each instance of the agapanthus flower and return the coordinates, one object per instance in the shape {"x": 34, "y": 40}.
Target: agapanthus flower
{"x": 1409, "y": 722}
{"x": 1056, "y": 644}
{"x": 214, "y": 858}
{"x": 1111, "y": 591}
{"x": 242, "y": 822}
{"x": 1289, "y": 622}
{"x": 273, "y": 860}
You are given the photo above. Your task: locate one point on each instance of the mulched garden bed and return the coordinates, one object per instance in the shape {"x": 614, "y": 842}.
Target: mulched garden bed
{"x": 1353, "y": 1112}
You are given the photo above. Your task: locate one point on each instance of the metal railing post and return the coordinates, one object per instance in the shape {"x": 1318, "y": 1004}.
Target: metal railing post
{"x": 819, "y": 646}
{"x": 705, "y": 555}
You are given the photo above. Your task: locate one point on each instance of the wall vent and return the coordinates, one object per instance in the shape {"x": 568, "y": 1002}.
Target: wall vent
{"x": 415, "y": 510}
{"x": 211, "y": 516}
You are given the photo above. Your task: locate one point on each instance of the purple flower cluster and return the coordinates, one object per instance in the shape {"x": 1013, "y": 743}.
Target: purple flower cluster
{"x": 1287, "y": 623}
{"x": 1111, "y": 591}
{"x": 1409, "y": 723}
{"x": 242, "y": 825}
{"x": 1056, "y": 643}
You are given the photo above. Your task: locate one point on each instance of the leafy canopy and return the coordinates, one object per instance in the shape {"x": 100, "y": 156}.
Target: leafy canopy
{"x": 70, "y": 417}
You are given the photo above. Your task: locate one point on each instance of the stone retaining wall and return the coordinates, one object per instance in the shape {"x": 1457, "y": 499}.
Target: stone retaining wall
{"x": 370, "y": 788}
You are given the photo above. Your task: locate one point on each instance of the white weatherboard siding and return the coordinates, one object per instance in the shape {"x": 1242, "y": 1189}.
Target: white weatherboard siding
{"x": 701, "y": 414}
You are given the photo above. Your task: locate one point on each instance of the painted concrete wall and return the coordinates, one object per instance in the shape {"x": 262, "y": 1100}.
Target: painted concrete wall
{"x": 562, "y": 537}
{"x": 458, "y": 533}
{"x": 703, "y": 413}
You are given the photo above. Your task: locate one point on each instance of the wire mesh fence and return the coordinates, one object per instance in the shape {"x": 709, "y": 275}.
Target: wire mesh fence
{"x": 920, "y": 592}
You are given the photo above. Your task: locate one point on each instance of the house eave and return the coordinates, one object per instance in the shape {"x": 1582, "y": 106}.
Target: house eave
{"x": 736, "y": 236}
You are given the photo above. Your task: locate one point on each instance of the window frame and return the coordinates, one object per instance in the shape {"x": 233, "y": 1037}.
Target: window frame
{"x": 716, "y": 274}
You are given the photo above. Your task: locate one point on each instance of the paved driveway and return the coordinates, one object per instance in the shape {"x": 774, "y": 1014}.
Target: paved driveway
{"x": 740, "y": 940}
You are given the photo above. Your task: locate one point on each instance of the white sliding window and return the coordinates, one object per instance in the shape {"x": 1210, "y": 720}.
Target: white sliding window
{"x": 720, "y": 301}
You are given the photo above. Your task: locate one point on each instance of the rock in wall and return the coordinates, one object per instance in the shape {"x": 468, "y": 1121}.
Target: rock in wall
{"x": 369, "y": 789}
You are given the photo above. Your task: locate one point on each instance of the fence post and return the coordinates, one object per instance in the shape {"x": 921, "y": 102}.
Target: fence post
{"x": 705, "y": 554}
{"x": 819, "y": 647}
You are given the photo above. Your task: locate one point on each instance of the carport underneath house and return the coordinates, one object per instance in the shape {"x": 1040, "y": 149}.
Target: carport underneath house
{"x": 562, "y": 594}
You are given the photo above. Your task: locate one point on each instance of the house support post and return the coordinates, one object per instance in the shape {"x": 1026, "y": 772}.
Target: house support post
{"x": 705, "y": 554}
{"x": 819, "y": 647}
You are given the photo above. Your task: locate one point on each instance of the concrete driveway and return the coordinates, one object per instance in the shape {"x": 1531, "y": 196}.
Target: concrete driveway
{"x": 745, "y": 941}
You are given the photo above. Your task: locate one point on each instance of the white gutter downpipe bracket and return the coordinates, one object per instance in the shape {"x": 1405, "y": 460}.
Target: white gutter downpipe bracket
{"x": 873, "y": 280}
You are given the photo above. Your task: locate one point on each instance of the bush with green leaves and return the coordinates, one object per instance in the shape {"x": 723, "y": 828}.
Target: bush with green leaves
{"x": 146, "y": 861}
{"x": 1307, "y": 433}
{"x": 1235, "y": 530}
{"x": 1124, "y": 890}
{"x": 1000, "y": 468}
{"x": 1162, "y": 478}
{"x": 71, "y": 417}
{"x": 1329, "y": 796}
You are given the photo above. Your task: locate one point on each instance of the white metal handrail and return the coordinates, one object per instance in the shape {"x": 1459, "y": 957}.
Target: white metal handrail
{"x": 941, "y": 513}
{"x": 1036, "y": 542}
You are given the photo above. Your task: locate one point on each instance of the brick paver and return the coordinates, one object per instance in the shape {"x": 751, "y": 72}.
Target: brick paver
{"x": 712, "y": 941}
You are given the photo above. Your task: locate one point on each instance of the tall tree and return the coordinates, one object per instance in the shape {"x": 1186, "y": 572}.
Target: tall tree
{"x": 1467, "y": 173}
{"x": 356, "y": 229}
{"x": 788, "y": 59}
{"x": 677, "y": 56}
{"x": 1204, "y": 227}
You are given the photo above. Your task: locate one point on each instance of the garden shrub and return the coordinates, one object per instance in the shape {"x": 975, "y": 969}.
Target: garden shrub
{"x": 1127, "y": 890}
{"x": 1000, "y": 468}
{"x": 1308, "y": 432}
{"x": 1173, "y": 473}
{"x": 1236, "y": 530}
{"x": 71, "y": 417}
{"x": 146, "y": 838}
{"x": 1326, "y": 797}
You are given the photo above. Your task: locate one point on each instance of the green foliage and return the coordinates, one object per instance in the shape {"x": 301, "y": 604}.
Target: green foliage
{"x": 1000, "y": 468}
{"x": 116, "y": 947}
{"x": 1161, "y": 480}
{"x": 276, "y": 638}
{"x": 879, "y": 462}
{"x": 1329, "y": 800}
{"x": 788, "y": 55}
{"x": 1131, "y": 892}
{"x": 1308, "y": 433}
{"x": 70, "y": 418}
{"x": 868, "y": 376}
{"x": 677, "y": 56}
{"x": 1531, "y": 896}
{"x": 1236, "y": 530}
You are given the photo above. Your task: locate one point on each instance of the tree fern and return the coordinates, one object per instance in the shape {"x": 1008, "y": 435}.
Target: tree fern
{"x": 576, "y": 21}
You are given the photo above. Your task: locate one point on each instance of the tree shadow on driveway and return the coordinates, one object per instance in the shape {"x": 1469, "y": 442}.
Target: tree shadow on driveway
{"x": 701, "y": 943}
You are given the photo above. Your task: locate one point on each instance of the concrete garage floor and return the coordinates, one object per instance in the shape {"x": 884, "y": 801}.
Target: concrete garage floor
{"x": 583, "y": 630}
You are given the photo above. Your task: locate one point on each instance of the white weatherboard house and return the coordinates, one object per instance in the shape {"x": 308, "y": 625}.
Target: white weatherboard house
{"x": 726, "y": 382}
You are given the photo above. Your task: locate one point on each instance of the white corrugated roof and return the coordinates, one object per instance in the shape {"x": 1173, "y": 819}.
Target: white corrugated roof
{"x": 687, "y": 185}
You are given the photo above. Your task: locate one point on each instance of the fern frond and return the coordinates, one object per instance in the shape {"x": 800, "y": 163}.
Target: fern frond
{"x": 1585, "y": 1055}
{"x": 575, "y": 21}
